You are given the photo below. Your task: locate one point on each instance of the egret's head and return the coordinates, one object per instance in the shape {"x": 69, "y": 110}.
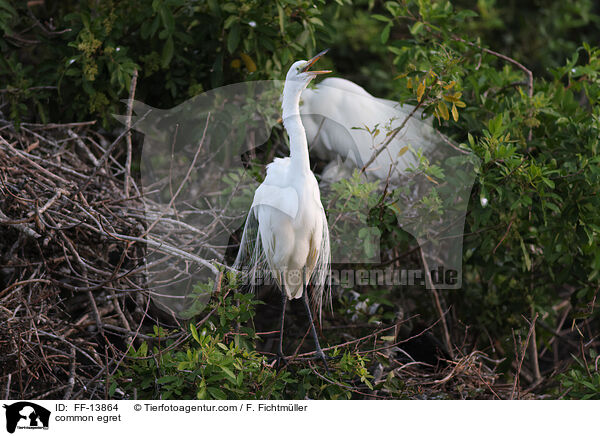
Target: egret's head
{"x": 300, "y": 74}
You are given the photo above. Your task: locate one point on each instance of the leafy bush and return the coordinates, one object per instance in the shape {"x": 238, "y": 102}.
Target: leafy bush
{"x": 217, "y": 363}
{"x": 582, "y": 381}
{"x": 85, "y": 60}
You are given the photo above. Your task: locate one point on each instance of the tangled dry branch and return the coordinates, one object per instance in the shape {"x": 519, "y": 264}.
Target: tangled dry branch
{"x": 68, "y": 233}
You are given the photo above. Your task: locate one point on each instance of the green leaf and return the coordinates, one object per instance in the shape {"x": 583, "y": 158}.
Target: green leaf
{"x": 229, "y": 374}
{"x": 549, "y": 182}
{"x": 525, "y": 255}
{"x": 233, "y": 39}
{"x": 167, "y": 19}
{"x": 217, "y": 394}
{"x": 385, "y": 35}
{"x": 167, "y": 52}
{"x": 230, "y": 20}
{"x": 552, "y": 206}
{"x": 381, "y": 18}
{"x": 281, "y": 15}
{"x": 194, "y": 332}
{"x": 415, "y": 29}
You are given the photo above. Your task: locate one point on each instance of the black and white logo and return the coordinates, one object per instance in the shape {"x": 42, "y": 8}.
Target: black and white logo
{"x": 26, "y": 415}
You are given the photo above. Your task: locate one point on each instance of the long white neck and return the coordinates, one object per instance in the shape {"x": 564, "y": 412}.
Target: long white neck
{"x": 293, "y": 126}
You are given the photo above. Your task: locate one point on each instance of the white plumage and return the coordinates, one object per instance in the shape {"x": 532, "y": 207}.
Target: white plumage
{"x": 335, "y": 114}
{"x": 286, "y": 228}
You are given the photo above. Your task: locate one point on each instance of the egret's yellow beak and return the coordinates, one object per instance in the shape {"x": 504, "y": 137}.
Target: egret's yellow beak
{"x": 312, "y": 61}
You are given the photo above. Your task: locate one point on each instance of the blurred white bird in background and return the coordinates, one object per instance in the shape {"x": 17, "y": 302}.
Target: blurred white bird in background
{"x": 341, "y": 118}
{"x": 286, "y": 229}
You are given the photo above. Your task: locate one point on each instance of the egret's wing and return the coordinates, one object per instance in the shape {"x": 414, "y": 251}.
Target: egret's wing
{"x": 282, "y": 199}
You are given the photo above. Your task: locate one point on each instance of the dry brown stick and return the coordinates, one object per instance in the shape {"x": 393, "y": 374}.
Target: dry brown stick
{"x": 369, "y": 336}
{"x": 403, "y": 341}
{"x": 503, "y": 237}
{"x": 19, "y": 225}
{"x": 132, "y": 86}
{"x": 25, "y": 156}
{"x": 163, "y": 247}
{"x": 488, "y": 386}
{"x": 82, "y": 145}
{"x": 97, "y": 316}
{"x": 523, "y": 349}
{"x": 119, "y": 310}
{"x": 438, "y": 305}
{"x": 59, "y": 126}
{"x": 106, "y": 383}
{"x": 185, "y": 179}
{"x": 297, "y": 350}
{"x": 534, "y": 355}
{"x": 556, "y": 331}
{"x": 23, "y": 282}
{"x": 354, "y": 341}
{"x": 72, "y": 369}
{"x": 159, "y": 245}
{"x": 7, "y": 393}
{"x": 108, "y": 152}
{"x": 70, "y": 344}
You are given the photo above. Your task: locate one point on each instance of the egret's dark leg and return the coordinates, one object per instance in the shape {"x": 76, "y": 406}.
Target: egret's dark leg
{"x": 280, "y": 355}
{"x": 319, "y": 352}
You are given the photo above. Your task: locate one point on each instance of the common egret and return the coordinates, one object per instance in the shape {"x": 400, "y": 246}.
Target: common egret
{"x": 286, "y": 228}
{"x": 341, "y": 117}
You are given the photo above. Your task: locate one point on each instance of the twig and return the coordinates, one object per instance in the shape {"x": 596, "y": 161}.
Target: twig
{"x": 21, "y": 283}
{"x": 24, "y": 156}
{"x": 59, "y": 126}
{"x": 438, "y": 305}
{"x": 504, "y": 236}
{"x": 7, "y": 392}
{"x": 19, "y": 225}
{"x": 108, "y": 152}
{"x": 72, "y": 368}
{"x": 534, "y": 355}
{"x": 524, "y": 348}
{"x": 394, "y": 133}
{"x": 128, "y": 137}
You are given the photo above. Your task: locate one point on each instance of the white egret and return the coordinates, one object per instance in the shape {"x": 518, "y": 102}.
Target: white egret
{"x": 336, "y": 114}
{"x": 286, "y": 229}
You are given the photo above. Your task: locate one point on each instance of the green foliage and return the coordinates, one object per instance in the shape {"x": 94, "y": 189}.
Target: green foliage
{"x": 539, "y": 161}
{"x": 210, "y": 364}
{"x": 177, "y": 46}
{"x": 533, "y": 228}
{"x": 218, "y": 363}
{"x": 582, "y": 381}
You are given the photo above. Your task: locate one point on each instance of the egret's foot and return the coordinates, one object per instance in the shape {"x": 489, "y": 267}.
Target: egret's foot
{"x": 320, "y": 355}
{"x": 279, "y": 362}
